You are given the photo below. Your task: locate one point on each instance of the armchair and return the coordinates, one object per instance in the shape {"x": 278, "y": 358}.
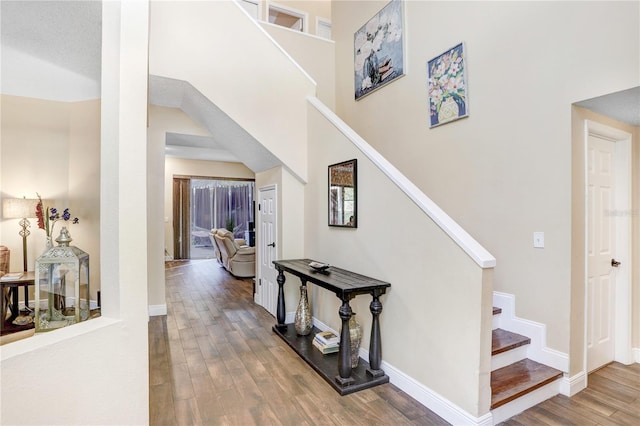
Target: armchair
{"x": 239, "y": 260}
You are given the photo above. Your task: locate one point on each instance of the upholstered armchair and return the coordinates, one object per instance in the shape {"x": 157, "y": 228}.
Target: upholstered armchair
{"x": 237, "y": 258}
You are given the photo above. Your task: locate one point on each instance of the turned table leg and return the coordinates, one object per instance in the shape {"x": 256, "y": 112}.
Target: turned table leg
{"x": 344, "y": 354}
{"x": 375, "y": 346}
{"x": 280, "y": 311}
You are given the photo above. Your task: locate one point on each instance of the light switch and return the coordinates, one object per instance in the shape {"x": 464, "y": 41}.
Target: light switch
{"x": 538, "y": 239}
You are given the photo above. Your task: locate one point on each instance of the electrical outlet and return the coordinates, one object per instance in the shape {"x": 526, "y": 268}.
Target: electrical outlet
{"x": 538, "y": 239}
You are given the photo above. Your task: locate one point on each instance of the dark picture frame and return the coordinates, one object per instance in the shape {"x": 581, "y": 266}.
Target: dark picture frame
{"x": 343, "y": 194}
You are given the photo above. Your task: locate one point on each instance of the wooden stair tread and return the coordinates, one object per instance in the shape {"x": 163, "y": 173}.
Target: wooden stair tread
{"x": 497, "y": 311}
{"x": 520, "y": 378}
{"x": 503, "y": 340}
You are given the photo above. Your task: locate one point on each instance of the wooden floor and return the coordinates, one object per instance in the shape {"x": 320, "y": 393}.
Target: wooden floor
{"x": 215, "y": 361}
{"x": 612, "y": 397}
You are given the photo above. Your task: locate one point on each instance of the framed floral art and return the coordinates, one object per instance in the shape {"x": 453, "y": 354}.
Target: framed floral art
{"x": 447, "y": 82}
{"x": 378, "y": 50}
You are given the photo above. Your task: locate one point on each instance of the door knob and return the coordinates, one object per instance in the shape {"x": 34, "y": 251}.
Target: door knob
{"x": 615, "y": 263}
{"x": 273, "y": 244}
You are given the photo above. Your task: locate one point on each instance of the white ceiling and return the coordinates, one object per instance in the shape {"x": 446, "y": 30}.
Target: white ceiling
{"x": 52, "y": 49}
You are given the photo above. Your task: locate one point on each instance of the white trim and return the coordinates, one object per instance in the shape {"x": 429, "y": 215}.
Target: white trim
{"x": 636, "y": 354}
{"x": 518, "y": 405}
{"x": 254, "y": 2}
{"x": 508, "y": 357}
{"x": 281, "y": 28}
{"x": 430, "y": 399}
{"x": 284, "y": 52}
{"x": 537, "y": 350}
{"x": 623, "y": 307}
{"x": 304, "y": 16}
{"x": 57, "y": 337}
{"x": 258, "y": 296}
{"x": 478, "y": 253}
{"x": 570, "y": 386}
{"x": 323, "y": 21}
{"x": 157, "y": 310}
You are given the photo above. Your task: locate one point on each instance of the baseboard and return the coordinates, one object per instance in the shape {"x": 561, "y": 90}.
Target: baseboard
{"x": 537, "y": 350}
{"x": 636, "y": 354}
{"x": 570, "y": 386}
{"x": 157, "y": 310}
{"x": 430, "y": 399}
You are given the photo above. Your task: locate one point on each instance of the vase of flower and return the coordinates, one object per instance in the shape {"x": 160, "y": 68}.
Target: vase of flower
{"x": 449, "y": 110}
{"x": 47, "y": 218}
{"x": 302, "y": 321}
{"x": 355, "y": 333}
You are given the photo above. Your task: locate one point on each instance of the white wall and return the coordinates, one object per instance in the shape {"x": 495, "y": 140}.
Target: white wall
{"x": 95, "y": 360}
{"x": 191, "y": 41}
{"x": 52, "y": 148}
{"x": 290, "y": 223}
{"x": 433, "y": 280}
{"x": 316, "y": 55}
{"x": 505, "y": 171}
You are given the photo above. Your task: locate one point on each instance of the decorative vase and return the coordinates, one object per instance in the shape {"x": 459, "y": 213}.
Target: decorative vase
{"x": 49, "y": 244}
{"x": 449, "y": 110}
{"x": 302, "y": 322}
{"x": 355, "y": 332}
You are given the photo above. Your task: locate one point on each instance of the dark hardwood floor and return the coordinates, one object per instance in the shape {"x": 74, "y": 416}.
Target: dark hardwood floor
{"x": 215, "y": 361}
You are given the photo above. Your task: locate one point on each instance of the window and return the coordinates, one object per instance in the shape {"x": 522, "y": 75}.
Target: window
{"x": 201, "y": 204}
{"x": 287, "y": 17}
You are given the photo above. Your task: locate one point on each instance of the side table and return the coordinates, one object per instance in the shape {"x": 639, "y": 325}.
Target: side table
{"x": 10, "y": 301}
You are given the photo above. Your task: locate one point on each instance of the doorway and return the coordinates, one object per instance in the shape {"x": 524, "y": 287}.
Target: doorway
{"x": 201, "y": 204}
{"x": 608, "y": 245}
{"x": 267, "y": 288}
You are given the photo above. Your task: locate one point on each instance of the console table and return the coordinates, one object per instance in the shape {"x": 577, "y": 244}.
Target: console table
{"x": 10, "y": 301}
{"x": 346, "y": 285}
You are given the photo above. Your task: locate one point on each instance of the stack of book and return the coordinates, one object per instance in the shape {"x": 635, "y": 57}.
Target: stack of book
{"x": 326, "y": 342}
{"x": 11, "y": 276}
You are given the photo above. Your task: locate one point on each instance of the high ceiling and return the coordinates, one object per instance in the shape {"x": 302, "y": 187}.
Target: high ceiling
{"x": 67, "y": 35}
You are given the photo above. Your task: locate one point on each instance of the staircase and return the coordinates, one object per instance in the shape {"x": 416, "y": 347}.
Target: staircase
{"x": 517, "y": 382}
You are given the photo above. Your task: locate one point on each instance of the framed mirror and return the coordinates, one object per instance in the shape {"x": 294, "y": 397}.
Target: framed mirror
{"x": 343, "y": 191}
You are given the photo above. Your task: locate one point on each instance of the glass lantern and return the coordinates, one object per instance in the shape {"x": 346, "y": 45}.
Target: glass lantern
{"x": 62, "y": 280}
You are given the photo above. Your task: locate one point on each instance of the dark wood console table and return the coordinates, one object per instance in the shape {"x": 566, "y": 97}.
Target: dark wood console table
{"x": 346, "y": 285}
{"x": 10, "y": 301}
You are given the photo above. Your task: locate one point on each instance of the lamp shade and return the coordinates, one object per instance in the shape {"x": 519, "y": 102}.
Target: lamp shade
{"x": 18, "y": 208}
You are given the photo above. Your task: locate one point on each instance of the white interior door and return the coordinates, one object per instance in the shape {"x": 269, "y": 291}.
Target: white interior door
{"x": 601, "y": 244}
{"x": 267, "y": 292}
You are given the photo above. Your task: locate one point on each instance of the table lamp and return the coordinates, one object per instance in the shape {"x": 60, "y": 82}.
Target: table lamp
{"x": 20, "y": 208}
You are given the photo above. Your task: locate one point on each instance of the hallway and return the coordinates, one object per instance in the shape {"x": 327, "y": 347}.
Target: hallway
{"x": 214, "y": 360}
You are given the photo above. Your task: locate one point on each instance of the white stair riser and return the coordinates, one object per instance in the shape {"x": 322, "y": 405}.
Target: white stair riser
{"x": 496, "y": 321}
{"x": 518, "y": 405}
{"x": 509, "y": 357}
